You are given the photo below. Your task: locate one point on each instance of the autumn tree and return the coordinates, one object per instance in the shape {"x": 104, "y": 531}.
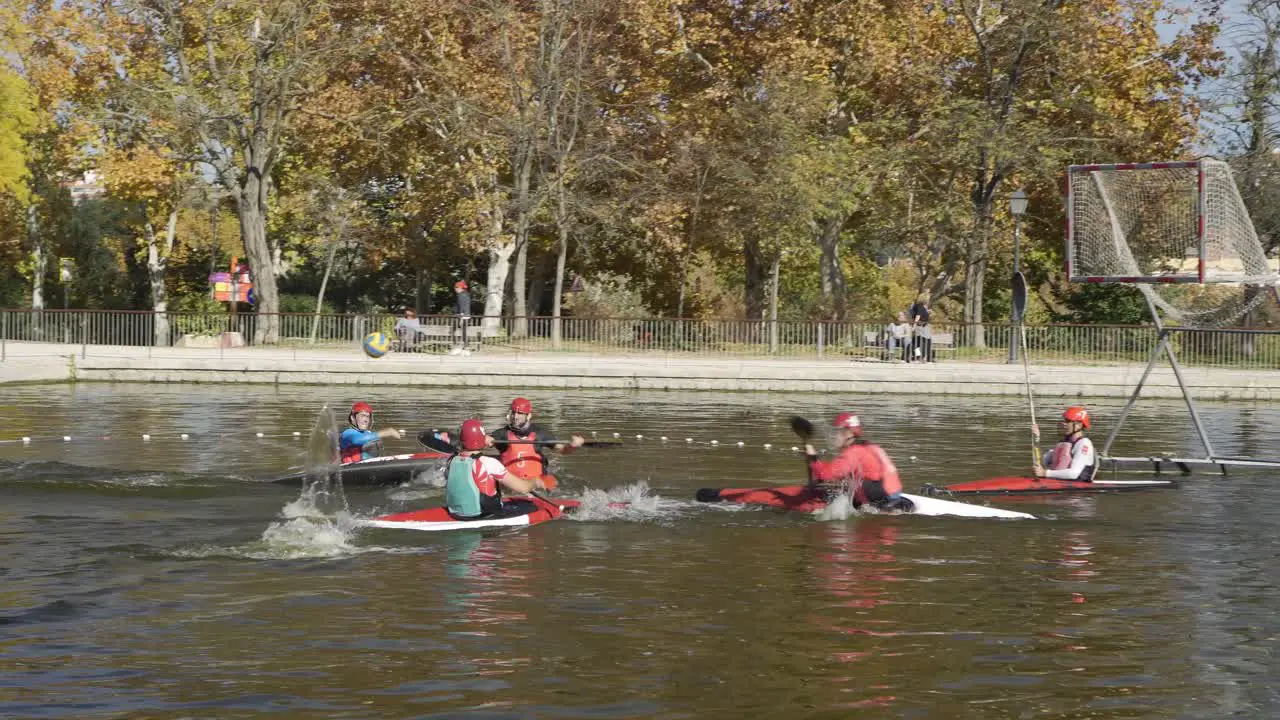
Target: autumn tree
{"x": 233, "y": 74}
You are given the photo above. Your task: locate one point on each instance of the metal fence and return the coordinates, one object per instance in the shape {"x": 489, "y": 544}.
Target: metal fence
{"x": 989, "y": 343}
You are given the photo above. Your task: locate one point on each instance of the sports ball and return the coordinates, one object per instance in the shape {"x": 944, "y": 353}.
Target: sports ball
{"x": 376, "y": 344}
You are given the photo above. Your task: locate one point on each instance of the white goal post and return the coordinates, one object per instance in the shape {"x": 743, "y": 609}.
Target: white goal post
{"x": 1158, "y": 223}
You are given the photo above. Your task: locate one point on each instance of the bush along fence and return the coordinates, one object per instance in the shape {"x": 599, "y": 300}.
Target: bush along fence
{"x": 939, "y": 342}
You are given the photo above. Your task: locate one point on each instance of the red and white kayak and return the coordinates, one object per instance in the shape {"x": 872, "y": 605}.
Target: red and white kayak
{"x": 801, "y": 499}
{"x": 378, "y": 471}
{"x": 517, "y": 512}
{"x": 1028, "y": 486}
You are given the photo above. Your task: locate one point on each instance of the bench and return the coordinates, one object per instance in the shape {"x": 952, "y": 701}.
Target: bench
{"x": 429, "y": 337}
{"x": 877, "y": 340}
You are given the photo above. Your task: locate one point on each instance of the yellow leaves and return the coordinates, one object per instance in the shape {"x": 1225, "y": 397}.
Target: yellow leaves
{"x": 138, "y": 173}
{"x": 17, "y": 118}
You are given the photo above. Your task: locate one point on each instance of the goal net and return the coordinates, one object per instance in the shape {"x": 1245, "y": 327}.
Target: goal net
{"x": 1178, "y": 226}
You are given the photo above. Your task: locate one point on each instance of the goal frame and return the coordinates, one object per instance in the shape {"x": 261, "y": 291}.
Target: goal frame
{"x": 1201, "y": 213}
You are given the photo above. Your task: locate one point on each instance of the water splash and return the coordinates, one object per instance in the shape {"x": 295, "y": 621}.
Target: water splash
{"x": 839, "y": 508}
{"x": 629, "y": 502}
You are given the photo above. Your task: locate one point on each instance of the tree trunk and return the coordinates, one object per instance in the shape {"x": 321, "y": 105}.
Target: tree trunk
{"x": 832, "y": 274}
{"x": 157, "y": 264}
{"x": 562, "y": 251}
{"x": 251, "y": 206}
{"x": 756, "y": 283}
{"x": 500, "y": 248}
{"x": 691, "y": 237}
{"x": 39, "y": 258}
{"x": 775, "y": 274}
{"x": 324, "y": 281}
{"x": 524, "y": 214}
{"x": 976, "y": 273}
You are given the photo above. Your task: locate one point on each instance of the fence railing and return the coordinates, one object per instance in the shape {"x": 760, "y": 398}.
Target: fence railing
{"x": 988, "y": 343}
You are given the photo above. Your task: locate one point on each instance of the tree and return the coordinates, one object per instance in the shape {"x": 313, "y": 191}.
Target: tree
{"x": 232, "y": 74}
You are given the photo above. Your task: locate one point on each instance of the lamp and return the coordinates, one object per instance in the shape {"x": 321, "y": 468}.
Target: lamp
{"x": 1017, "y": 206}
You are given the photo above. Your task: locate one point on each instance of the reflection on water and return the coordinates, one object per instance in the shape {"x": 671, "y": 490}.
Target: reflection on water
{"x": 155, "y": 578}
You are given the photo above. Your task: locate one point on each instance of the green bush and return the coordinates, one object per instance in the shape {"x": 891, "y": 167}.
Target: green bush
{"x": 297, "y": 303}
{"x": 199, "y": 314}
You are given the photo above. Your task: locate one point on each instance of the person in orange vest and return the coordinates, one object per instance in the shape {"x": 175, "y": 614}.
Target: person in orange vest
{"x": 1072, "y": 458}
{"x": 860, "y": 467}
{"x": 523, "y": 459}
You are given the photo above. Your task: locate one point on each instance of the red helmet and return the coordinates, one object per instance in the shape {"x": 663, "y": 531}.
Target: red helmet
{"x": 1078, "y": 414}
{"x": 360, "y": 407}
{"x": 521, "y": 405}
{"x": 472, "y": 435}
{"x": 847, "y": 420}
{"x": 460, "y": 285}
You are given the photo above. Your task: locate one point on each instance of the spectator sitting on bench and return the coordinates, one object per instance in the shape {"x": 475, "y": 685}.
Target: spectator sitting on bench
{"x": 898, "y": 335}
{"x": 407, "y": 328}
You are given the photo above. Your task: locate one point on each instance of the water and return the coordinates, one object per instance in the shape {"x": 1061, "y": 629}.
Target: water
{"x": 163, "y": 579}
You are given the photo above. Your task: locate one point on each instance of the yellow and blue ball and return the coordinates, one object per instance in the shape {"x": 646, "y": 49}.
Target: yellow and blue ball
{"x": 376, "y": 344}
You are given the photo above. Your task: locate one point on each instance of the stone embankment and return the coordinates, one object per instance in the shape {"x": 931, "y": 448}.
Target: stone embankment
{"x": 47, "y": 362}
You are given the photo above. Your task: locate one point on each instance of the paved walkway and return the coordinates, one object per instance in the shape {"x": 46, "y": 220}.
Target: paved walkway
{"x": 44, "y": 362}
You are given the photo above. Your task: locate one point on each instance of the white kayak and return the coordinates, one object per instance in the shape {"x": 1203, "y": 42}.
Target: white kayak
{"x": 800, "y": 498}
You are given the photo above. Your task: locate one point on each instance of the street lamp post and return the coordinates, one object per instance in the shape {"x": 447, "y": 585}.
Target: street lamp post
{"x": 1017, "y": 206}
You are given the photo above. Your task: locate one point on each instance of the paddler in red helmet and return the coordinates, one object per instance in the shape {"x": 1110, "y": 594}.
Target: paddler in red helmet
{"x": 473, "y": 488}
{"x": 359, "y": 441}
{"x": 863, "y": 468}
{"x": 523, "y": 459}
{"x": 1073, "y": 457}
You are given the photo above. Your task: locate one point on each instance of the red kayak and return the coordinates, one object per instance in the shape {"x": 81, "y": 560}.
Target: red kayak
{"x": 517, "y": 512}
{"x": 1027, "y": 486}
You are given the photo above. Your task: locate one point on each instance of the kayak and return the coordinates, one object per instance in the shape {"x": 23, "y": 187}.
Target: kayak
{"x": 378, "y": 471}
{"x": 1026, "y": 485}
{"x": 517, "y": 512}
{"x": 801, "y": 499}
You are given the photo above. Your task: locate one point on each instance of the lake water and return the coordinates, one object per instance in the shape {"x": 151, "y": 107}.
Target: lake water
{"x": 164, "y": 579}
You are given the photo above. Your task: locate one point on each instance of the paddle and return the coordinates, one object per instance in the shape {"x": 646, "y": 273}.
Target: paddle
{"x": 433, "y": 440}
{"x": 1020, "y": 306}
{"x": 433, "y": 435}
{"x": 804, "y": 430}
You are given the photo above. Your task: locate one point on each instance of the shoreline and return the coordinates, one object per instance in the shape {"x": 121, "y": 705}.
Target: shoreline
{"x": 29, "y": 363}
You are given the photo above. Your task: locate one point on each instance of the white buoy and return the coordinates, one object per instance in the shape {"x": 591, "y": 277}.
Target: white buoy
{"x": 795, "y": 449}
{"x": 145, "y": 437}
{"x": 768, "y": 445}
{"x": 617, "y": 435}
{"x": 26, "y": 440}
{"x": 297, "y": 434}
{"x": 715, "y": 442}
{"x": 185, "y": 436}
{"x": 639, "y": 437}
{"x": 688, "y": 440}
{"x": 663, "y": 438}
{"x": 66, "y": 438}
{"x": 741, "y": 444}
{"x": 913, "y": 458}
{"x": 259, "y": 434}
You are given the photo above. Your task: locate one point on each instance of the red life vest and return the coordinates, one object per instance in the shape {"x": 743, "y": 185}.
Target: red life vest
{"x": 522, "y": 458}
{"x": 875, "y": 466}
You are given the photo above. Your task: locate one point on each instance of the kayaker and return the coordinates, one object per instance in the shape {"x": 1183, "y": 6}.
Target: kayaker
{"x": 860, "y": 467}
{"x": 523, "y": 459}
{"x": 359, "y": 441}
{"x": 474, "y": 482}
{"x": 1072, "y": 458}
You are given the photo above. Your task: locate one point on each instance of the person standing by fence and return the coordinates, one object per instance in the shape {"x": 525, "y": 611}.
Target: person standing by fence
{"x": 922, "y": 335}
{"x": 462, "y": 309}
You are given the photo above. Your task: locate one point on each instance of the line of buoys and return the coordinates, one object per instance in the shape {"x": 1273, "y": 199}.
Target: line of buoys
{"x": 692, "y": 441}
{"x": 145, "y": 437}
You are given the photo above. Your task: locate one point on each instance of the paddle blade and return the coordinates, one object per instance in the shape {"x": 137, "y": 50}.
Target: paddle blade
{"x": 1019, "y": 295}
{"x": 437, "y": 440}
{"x": 801, "y": 427}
